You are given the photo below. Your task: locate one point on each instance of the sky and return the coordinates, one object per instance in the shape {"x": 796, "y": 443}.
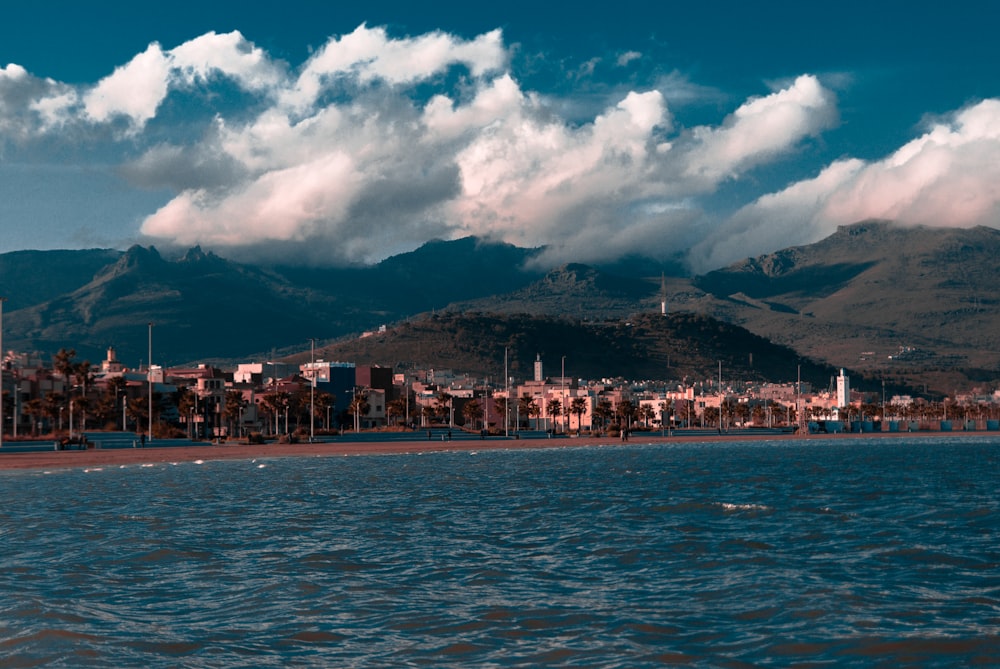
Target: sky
{"x": 324, "y": 133}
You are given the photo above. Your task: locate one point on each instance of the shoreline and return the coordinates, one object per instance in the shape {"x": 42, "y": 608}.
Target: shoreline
{"x": 158, "y": 455}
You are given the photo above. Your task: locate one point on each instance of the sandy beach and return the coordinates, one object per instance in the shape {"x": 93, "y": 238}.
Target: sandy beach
{"x": 151, "y": 454}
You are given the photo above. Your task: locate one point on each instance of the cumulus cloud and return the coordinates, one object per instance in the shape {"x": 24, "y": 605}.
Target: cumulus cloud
{"x": 377, "y": 143}
{"x": 761, "y": 128}
{"x": 949, "y": 176}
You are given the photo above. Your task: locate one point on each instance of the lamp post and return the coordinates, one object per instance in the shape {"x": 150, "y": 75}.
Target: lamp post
{"x": 562, "y": 392}
{"x": 149, "y": 374}
{"x": 312, "y": 390}
{"x": 506, "y": 399}
{"x": 2, "y": 300}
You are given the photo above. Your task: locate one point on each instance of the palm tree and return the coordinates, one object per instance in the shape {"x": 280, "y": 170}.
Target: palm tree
{"x": 554, "y": 409}
{"x": 359, "y": 406}
{"x": 526, "y": 405}
{"x": 185, "y": 399}
{"x": 62, "y": 362}
{"x": 626, "y": 412}
{"x": 35, "y": 409}
{"x": 54, "y": 403}
{"x": 138, "y": 409}
{"x": 396, "y": 408}
{"x": 646, "y": 413}
{"x": 742, "y": 410}
{"x": 443, "y": 406}
{"x": 274, "y": 404}
{"x": 666, "y": 408}
{"x": 235, "y": 403}
{"x": 472, "y": 411}
{"x": 578, "y": 407}
{"x": 604, "y": 411}
{"x": 322, "y": 402}
{"x": 710, "y": 416}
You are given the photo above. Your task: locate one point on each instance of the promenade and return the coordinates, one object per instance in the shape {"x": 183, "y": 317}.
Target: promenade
{"x": 116, "y": 449}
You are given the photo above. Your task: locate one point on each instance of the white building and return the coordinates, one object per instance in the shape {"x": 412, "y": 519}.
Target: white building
{"x": 843, "y": 390}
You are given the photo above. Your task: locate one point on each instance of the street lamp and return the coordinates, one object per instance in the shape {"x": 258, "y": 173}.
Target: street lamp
{"x": 562, "y": 393}
{"x": 149, "y": 374}
{"x": 312, "y": 390}
{"x": 2, "y": 300}
{"x": 506, "y": 399}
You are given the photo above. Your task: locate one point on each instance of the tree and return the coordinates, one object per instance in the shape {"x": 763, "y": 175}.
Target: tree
{"x": 235, "y": 403}
{"x": 186, "y": 402}
{"x": 603, "y": 412}
{"x": 646, "y": 413}
{"x": 54, "y": 404}
{"x": 526, "y": 406}
{"x": 359, "y": 406}
{"x": 472, "y": 411}
{"x": 35, "y": 409}
{"x": 626, "y": 412}
{"x": 710, "y": 416}
{"x": 274, "y": 404}
{"x": 138, "y": 410}
{"x": 554, "y": 409}
{"x": 62, "y": 362}
{"x": 742, "y": 411}
{"x": 442, "y": 406}
{"x": 397, "y": 409}
{"x": 323, "y": 403}
{"x": 666, "y": 409}
{"x": 578, "y": 407}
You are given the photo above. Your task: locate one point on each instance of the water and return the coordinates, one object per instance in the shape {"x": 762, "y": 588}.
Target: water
{"x": 845, "y": 553}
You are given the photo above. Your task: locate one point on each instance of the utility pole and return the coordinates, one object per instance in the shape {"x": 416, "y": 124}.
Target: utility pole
{"x": 312, "y": 390}
{"x": 506, "y": 400}
{"x": 2, "y": 300}
{"x": 149, "y": 374}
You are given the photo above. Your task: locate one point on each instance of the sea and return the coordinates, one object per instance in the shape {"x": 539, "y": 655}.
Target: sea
{"x": 810, "y": 553}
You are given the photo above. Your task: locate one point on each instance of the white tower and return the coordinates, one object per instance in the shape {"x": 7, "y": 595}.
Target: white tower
{"x": 538, "y": 368}
{"x": 843, "y": 390}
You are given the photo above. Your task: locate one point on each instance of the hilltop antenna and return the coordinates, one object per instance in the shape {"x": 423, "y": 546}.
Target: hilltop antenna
{"x": 663, "y": 294}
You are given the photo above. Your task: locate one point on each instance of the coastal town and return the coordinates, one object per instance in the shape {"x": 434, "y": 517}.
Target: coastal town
{"x": 65, "y": 397}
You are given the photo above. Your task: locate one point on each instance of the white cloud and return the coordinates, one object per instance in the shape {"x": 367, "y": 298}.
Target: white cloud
{"x": 134, "y": 90}
{"x": 367, "y": 148}
{"x": 229, "y": 54}
{"x": 762, "y": 128}
{"x": 368, "y": 54}
{"x": 949, "y": 176}
{"x": 627, "y": 57}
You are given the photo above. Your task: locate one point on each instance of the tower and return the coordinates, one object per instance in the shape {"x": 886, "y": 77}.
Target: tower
{"x": 843, "y": 390}
{"x": 538, "y": 368}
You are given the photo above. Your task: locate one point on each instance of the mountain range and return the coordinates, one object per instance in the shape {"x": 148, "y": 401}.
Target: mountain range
{"x": 925, "y": 296}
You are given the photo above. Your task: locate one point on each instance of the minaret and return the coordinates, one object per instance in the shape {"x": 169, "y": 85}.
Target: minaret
{"x": 538, "y": 367}
{"x": 843, "y": 390}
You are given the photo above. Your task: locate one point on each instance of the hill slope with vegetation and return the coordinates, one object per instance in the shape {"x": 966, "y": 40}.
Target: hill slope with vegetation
{"x": 647, "y": 346}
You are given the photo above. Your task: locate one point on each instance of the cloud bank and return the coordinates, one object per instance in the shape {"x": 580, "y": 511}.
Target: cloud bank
{"x": 377, "y": 143}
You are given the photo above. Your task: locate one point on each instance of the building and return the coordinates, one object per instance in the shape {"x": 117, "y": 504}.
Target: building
{"x": 843, "y": 390}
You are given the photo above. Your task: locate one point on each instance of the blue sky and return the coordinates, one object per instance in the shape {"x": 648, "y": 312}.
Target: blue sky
{"x": 329, "y": 134}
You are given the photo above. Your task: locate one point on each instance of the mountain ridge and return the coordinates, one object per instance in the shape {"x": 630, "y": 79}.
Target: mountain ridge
{"x": 853, "y": 299}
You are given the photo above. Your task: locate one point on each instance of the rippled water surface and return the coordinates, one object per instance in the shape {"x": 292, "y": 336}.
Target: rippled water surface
{"x": 866, "y": 553}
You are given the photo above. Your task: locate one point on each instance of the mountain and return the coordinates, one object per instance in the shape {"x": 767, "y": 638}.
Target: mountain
{"x": 873, "y": 290}
{"x": 646, "y": 346}
{"x": 576, "y": 291}
{"x": 32, "y": 277}
{"x": 204, "y": 307}
{"x": 925, "y": 296}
